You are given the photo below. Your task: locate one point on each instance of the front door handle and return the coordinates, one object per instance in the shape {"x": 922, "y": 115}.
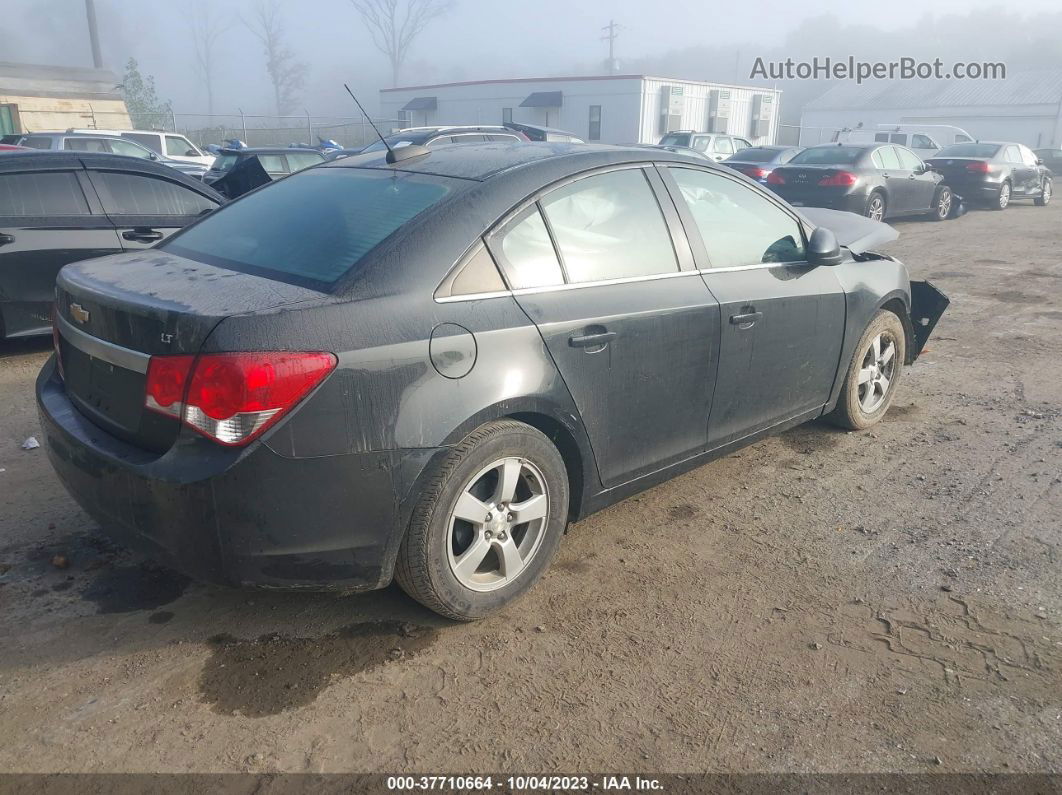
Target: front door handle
{"x": 140, "y": 235}
{"x": 745, "y": 321}
{"x": 592, "y": 340}
{"x": 6, "y": 238}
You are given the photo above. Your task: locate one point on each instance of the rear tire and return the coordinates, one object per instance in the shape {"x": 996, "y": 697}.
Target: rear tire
{"x": 468, "y": 568}
{"x": 877, "y": 206}
{"x": 942, "y": 206}
{"x": 1045, "y": 194}
{"x": 870, "y": 384}
{"x": 1002, "y": 197}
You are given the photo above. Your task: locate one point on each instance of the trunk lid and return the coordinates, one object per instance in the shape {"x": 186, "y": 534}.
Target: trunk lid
{"x": 954, "y": 169}
{"x": 806, "y": 176}
{"x": 114, "y": 313}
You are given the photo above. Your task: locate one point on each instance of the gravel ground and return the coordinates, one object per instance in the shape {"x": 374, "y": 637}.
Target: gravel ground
{"x": 820, "y": 601}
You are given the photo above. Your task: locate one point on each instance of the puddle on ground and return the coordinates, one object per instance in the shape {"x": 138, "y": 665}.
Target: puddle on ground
{"x": 266, "y": 676}
{"x": 124, "y": 589}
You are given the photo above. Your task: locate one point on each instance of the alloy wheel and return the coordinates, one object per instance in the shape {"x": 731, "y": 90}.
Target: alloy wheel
{"x": 1047, "y": 192}
{"x": 944, "y": 204}
{"x": 876, "y": 373}
{"x": 497, "y": 524}
{"x": 1004, "y": 195}
{"x": 876, "y": 211}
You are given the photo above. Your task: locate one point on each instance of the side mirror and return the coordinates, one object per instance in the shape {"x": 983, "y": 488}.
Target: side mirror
{"x": 823, "y": 248}
{"x": 924, "y": 168}
{"x": 191, "y": 153}
{"x": 1039, "y": 161}
{"x": 153, "y": 156}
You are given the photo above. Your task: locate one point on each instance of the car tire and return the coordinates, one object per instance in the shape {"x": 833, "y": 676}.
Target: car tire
{"x": 942, "y": 205}
{"x": 877, "y": 206}
{"x": 1046, "y": 192}
{"x": 437, "y": 559}
{"x": 1003, "y": 196}
{"x": 864, "y": 398}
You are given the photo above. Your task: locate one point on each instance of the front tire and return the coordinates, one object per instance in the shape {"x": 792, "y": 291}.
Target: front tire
{"x": 487, "y": 524}
{"x": 942, "y": 208}
{"x": 873, "y": 374}
{"x": 1045, "y": 194}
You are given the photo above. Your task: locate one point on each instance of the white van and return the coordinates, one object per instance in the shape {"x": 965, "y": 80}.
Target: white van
{"x": 173, "y": 146}
{"x": 924, "y": 139}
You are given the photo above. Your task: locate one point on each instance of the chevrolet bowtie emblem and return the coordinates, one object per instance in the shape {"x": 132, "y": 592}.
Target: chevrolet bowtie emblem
{"x": 79, "y": 313}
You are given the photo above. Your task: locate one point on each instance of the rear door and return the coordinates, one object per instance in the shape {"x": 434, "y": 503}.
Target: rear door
{"x": 146, "y": 208}
{"x": 630, "y": 325}
{"x": 902, "y": 196}
{"x": 47, "y": 219}
{"x": 782, "y": 320}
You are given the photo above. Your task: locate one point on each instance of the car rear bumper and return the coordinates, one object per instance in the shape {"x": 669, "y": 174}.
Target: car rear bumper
{"x": 830, "y": 199}
{"x": 235, "y": 517}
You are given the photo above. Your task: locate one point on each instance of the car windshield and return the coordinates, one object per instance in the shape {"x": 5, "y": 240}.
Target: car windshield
{"x": 968, "y": 150}
{"x": 827, "y": 156}
{"x": 675, "y": 139}
{"x": 755, "y": 155}
{"x": 313, "y": 228}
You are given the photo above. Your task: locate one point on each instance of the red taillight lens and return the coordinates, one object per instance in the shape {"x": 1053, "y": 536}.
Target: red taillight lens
{"x": 756, "y": 172}
{"x": 978, "y": 167}
{"x": 233, "y": 397}
{"x": 774, "y": 178}
{"x": 842, "y": 179}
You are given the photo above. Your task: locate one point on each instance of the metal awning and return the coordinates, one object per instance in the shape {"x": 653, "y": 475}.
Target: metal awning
{"x": 543, "y": 99}
{"x": 421, "y": 103}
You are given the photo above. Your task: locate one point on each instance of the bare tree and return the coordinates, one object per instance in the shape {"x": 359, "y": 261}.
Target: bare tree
{"x": 206, "y": 29}
{"x": 395, "y": 24}
{"x": 285, "y": 72}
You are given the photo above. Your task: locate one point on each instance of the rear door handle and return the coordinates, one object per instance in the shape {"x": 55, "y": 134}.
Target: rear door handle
{"x": 6, "y": 238}
{"x": 747, "y": 320}
{"x": 592, "y": 340}
{"x": 142, "y": 235}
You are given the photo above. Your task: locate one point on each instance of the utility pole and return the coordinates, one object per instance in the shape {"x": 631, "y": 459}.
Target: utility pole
{"x": 94, "y": 36}
{"x": 613, "y": 32}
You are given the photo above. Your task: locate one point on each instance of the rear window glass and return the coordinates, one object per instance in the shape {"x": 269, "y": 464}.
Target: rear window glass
{"x": 756, "y": 155}
{"x": 313, "y": 227}
{"x": 675, "y": 139}
{"x": 47, "y": 193}
{"x": 968, "y": 150}
{"x": 828, "y": 155}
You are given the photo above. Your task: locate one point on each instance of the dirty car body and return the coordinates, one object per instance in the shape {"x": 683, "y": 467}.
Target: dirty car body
{"x": 453, "y": 310}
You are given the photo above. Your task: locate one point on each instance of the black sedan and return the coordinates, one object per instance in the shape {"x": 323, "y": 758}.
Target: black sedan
{"x": 425, "y": 369}
{"x": 58, "y": 207}
{"x": 877, "y": 180}
{"x": 236, "y": 171}
{"x": 994, "y": 174}
{"x": 1051, "y": 159}
{"x": 757, "y": 162}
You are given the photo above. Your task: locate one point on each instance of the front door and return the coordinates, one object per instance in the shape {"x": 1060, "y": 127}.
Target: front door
{"x": 596, "y": 266}
{"x": 782, "y": 321}
{"x": 922, "y": 183}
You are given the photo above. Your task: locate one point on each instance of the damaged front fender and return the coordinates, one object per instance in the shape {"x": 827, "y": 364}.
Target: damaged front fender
{"x": 927, "y": 305}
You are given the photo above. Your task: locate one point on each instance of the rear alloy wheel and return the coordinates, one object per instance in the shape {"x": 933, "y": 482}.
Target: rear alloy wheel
{"x": 1045, "y": 194}
{"x": 873, "y": 374}
{"x": 487, "y": 524}
{"x": 943, "y": 208}
{"x": 1003, "y": 197}
{"x": 876, "y": 207}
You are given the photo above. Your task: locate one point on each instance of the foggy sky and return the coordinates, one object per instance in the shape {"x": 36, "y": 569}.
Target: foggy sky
{"x": 479, "y": 39}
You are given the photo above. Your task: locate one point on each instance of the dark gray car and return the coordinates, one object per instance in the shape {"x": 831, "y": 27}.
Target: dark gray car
{"x": 425, "y": 369}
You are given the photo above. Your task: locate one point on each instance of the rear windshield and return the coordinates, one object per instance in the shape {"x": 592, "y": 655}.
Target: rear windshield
{"x": 755, "y": 155}
{"x": 312, "y": 228}
{"x": 828, "y": 155}
{"x": 968, "y": 150}
{"x": 675, "y": 139}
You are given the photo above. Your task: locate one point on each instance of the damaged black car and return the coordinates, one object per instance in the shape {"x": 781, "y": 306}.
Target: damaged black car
{"x": 424, "y": 367}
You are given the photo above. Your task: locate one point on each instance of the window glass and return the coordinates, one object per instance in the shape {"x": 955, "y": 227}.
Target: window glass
{"x": 42, "y": 194}
{"x": 961, "y": 139}
{"x": 683, "y": 139}
{"x": 300, "y": 160}
{"x": 881, "y": 138}
{"x": 738, "y": 226}
{"x": 150, "y": 140}
{"x": 723, "y": 146}
{"x": 908, "y": 159}
{"x": 530, "y": 260}
{"x": 224, "y": 162}
{"x": 756, "y": 155}
{"x": 479, "y": 274}
{"x": 178, "y": 146}
{"x": 464, "y": 139}
{"x": 740, "y": 144}
{"x": 609, "y": 226}
{"x": 923, "y": 142}
{"x": 507, "y": 115}
{"x": 875, "y": 158}
{"x": 595, "y": 123}
{"x": 889, "y": 158}
{"x": 503, "y": 138}
{"x": 37, "y": 142}
{"x": 314, "y": 227}
{"x": 273, "y": 164}
{"x": 1027, "y": 157}
{"x": 1011, "y": 155}
{"x": 898, "y": 138}
{"x": 85, "y": 145}
{"x": 129, "y": 149}
{"x": 140, "y": 194}
{"x": 828, "y": 155}
{"x": 969, "y": 150}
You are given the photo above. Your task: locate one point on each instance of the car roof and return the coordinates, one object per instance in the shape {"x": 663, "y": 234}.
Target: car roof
{"x": 37, "y": 160}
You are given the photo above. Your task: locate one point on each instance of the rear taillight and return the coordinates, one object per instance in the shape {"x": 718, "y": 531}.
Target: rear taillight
{"x": 233, "y": 397}
{"x": 978, "y": 167}
{"x": 756, "y": 172}
{"x": 842, "y": 179}
{"x": 774, "y": 178}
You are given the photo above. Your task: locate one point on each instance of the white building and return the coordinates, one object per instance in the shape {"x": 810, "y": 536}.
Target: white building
{"x": 1025, "y": 107}
{"x": 613, "y": 109}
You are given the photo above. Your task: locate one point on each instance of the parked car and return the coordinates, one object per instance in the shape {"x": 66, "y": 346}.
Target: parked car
{"x": 925, "y": 140}
{"x": 13, "y": 148}
{"x": 757, "y": 162}
{"x": 678, "y": 150}
{"x": 236, "y": 171}
{"x": 437, "y": 136}
{"x": 877, "y": 180}
{"x": 715, "y": 145}
{"x": 170, "y": 145}
{"x": 548, "y": 134}
{"x": 110, "y": 144}
{"x": 10, "y": 138}
{"x": 371, "y": 369}
{"x": 1050, "y": 159}
{"x": 995, "y": 173}
{"x": 57, "y": 207}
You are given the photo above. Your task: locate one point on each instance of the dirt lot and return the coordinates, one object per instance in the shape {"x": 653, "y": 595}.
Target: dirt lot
{"x": 821, "y": 601}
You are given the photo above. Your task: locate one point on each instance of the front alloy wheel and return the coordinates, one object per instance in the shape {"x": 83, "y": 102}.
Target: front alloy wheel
{"x": 1045, "y": 194}
{"x": 873, "y": 373}
{"x": 876, "y": 373}
{"x": 944, "y": 202}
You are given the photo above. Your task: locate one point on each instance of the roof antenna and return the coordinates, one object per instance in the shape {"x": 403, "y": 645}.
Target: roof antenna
{"x": 393, "y": 155}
